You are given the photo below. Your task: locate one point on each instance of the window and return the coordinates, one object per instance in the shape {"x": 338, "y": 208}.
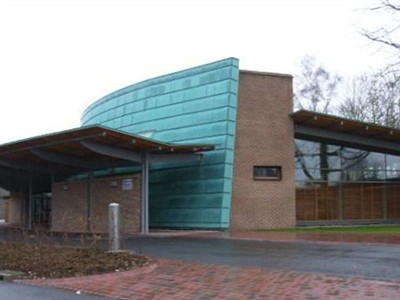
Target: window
{"x": 267, "y": 173}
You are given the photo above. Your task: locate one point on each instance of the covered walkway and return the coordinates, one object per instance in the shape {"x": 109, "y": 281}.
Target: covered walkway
{"x": 34, "y": 164}
{"x": 329, "y": 129}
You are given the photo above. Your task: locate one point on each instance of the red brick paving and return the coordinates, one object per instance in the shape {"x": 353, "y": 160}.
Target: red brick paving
{"x": 168, "y": 279}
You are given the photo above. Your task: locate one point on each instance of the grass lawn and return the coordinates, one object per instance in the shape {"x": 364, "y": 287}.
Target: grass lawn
{"x": 346, "y": 229}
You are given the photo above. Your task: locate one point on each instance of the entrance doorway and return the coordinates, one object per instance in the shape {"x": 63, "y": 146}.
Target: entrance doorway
{"x": 41, "y": 210}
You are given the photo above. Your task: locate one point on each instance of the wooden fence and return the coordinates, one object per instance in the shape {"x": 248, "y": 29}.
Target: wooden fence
{"x": 348, "y": 201}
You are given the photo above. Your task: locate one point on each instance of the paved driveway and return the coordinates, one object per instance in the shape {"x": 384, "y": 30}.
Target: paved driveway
{"x": 356, "y": 260}
{"x": 199, "y": 267}
{"x": 14, "y": 291}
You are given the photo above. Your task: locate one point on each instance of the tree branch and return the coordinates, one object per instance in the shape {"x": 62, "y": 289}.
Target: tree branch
{"x": 386, "y": 4}
{"x": 380, "y": 40}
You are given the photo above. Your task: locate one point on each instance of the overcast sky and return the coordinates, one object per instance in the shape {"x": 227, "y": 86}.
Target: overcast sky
{"x": 57, "y": 57}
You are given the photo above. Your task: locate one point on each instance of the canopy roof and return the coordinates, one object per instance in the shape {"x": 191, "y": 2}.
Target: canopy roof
{"x": 351, "y": 133}
{"x": 85, "y": 149}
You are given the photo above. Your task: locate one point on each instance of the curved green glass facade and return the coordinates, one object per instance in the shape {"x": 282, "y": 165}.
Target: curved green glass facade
{"x": 197, "y": 105}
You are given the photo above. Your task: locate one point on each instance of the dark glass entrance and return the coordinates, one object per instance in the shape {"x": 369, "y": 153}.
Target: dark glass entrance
{"x": 41, "y": 210}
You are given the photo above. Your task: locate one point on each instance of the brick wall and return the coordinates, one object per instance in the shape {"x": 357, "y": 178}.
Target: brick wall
{"x": 13, "y": 209}
{"x": 264, "y": 136}
{"x": 70, "y": 204}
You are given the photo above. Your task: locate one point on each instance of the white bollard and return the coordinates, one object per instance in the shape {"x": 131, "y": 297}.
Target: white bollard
{"x": 113, "y": 227}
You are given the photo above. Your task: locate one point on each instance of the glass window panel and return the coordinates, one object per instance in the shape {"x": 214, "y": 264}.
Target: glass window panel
{"x": 318, "y": 175}
{"x": 317, "y": 155}
{"x": 354, "y": 159}
{"x": 392, "y": 162}
{"x": 393, "y": 175}
{"x": 376, "y": 161}
{"x": 373, "y": 174}
{"x": 307, "y": 174}
{"x": 334, "y": 153}
{"x": 320, "y": 162}
{"x": 302, "y": 184}
{"x": 307, "y": 154}
{"x": 364, "y": 175}
{"x": 334, "y": 176}
{"x": 267, "y": 172}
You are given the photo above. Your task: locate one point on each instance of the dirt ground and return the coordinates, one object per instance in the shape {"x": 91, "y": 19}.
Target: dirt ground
{"x": 53, "y": 261}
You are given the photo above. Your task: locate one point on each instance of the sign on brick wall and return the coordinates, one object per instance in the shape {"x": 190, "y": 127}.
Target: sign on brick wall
{"x": 127, "y": 184}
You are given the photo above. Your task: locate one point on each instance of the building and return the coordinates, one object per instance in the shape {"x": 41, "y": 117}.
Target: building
{"x": 3, "y": 203}
{"x": 211, "y": 147}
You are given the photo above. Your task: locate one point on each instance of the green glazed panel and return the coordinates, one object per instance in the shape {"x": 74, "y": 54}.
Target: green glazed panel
{"x": 196, "y": 105}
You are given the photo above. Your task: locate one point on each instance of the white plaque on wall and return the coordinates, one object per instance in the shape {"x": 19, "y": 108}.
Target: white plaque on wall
{"x": 127, "y": 184}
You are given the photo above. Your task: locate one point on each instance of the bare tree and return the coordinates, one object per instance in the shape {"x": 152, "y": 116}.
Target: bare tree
{"x": 374, "y": 99}
{"x": 387, "y": 36}
{"x": 315, "y": 87}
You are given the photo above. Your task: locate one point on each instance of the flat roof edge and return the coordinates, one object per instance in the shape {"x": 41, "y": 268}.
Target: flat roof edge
{"x": 341, "y": 118}
{"x": 98, "y": 131}
{"x": 266, "y": 73}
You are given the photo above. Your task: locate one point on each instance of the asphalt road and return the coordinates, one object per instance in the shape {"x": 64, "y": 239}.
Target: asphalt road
{"x": 355, "y": 260}
{"x": 14, "y": 291}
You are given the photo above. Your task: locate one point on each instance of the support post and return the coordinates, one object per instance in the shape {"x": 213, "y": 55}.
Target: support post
{"x": 340, "y": 205}
{"x": 385, "y": 187}
{"x": 89, "y": 223}
{"x": 30, "y": 204}
{"x": 22, "y": 209}
{"x": 113, "y": 227}
{"x": 145, "y": 193}
{"x": 342, "y": 178}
